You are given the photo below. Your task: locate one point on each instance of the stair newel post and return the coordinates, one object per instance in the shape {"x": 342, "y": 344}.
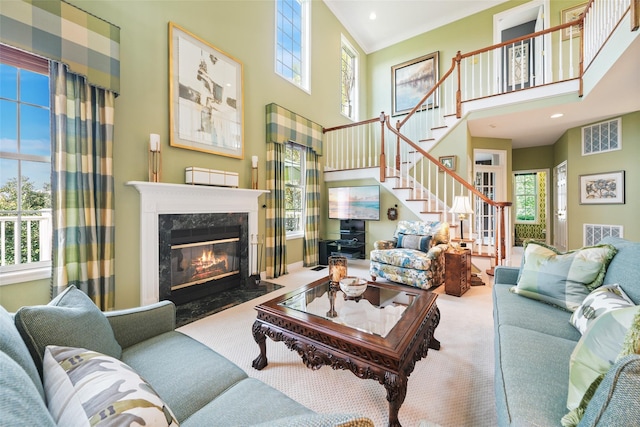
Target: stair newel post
{"x": 398, "y": 147}
{"x": 458, "y": 59}
{"x": 383, "y": 159}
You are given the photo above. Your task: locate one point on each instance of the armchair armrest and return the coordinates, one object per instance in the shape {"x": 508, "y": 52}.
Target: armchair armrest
{"x": 384, "y": 244}
{"x": 134, "y": 325}
{"x": 506, "y": 275}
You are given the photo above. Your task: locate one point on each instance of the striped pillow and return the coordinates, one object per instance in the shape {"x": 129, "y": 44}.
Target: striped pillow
{"x": 562, "y": 279}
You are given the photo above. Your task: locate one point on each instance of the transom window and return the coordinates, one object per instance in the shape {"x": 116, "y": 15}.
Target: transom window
{"x": 349, "y": 73}
{"x": 292, "y": 41}
{"x": 526, "y": 197}
{"x": 294, "y": 173}
{"x": 25, "y": 162}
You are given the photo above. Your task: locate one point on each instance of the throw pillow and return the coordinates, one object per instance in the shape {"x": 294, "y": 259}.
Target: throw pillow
{"x": 631, "y": 345}
{"x": 598, "y": 302}
{"x": 87, "y": 388}
{"x": 562, "y": 279}
{"x": 414, "y": 241}
{"x": 441, "y": 233}
{"x": 70, "y": 319}
{"x": 597, "y": 351}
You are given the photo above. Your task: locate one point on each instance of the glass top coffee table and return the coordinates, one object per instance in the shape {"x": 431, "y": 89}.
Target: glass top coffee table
{"x": 379, "y": 335}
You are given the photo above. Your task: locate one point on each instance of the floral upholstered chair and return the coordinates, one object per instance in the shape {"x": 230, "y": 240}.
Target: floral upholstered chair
{"x": 414, "y": 257}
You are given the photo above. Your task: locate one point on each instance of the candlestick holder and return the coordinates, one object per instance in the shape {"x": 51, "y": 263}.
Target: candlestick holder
{"x": 254, "y": 172}
{"x": 337, "y": 268}
{"x": 155, "y": 158}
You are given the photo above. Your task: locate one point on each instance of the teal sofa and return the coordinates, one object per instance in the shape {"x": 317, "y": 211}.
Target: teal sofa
{"x": 534, "y": 342}
{"x": 50, "y": 355}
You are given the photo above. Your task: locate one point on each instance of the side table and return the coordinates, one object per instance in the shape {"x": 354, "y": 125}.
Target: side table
{"x": 457, "y": 271}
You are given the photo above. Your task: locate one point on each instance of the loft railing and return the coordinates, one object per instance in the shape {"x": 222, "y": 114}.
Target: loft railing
{"x": 400, "y": 151}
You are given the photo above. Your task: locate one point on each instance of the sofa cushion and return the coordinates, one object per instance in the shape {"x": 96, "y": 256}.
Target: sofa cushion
{"x": 12, "y": 345}
{"x": 21, "y": 403}
{"x": 598, "y": 302}
{"x": 597, "y": 351}
{"x": 414, "y": 241}
{"x": 516, "y": 310}
{"x": 186, "y": 373}
{"x": 531, "y": 376}
{"x": 71, "y": 319}
{"x": 562, "y": 279}
{"x": 231, "y": 408}
{"x": 85, "y": 388}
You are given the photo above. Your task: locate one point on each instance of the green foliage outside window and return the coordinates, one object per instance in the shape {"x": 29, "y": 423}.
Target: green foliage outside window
{"x": 526, "y": 206}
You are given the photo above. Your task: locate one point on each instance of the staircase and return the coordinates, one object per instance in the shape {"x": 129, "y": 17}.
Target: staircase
{"x": 398, "y": 154}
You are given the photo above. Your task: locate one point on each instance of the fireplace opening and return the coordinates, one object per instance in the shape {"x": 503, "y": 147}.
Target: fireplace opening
{"x": 201, "y": 258}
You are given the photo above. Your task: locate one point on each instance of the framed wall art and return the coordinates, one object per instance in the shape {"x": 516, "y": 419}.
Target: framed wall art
{"x": 569, "y": 15}
{"x": 448, "y": 161}
{"x": 411, "y": 80}
{"x": 602, "y": 188}
{"x": 205, "y": 95}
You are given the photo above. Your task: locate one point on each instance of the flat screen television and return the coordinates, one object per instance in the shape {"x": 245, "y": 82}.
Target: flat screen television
{"x": 355, "y": 202}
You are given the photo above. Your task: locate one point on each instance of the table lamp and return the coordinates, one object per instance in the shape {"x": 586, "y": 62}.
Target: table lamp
{"x": 462, "y": 207}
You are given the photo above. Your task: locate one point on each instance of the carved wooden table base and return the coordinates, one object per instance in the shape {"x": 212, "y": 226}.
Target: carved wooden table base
{"x": 321, "y": 346}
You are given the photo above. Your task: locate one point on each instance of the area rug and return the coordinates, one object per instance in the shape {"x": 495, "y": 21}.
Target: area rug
{"x": 203, "y": 307}
{"x": 452, "y": 387}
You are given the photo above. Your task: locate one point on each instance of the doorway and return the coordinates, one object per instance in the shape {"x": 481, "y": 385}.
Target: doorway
{"x": 522, "y": 64}
{"x": 530, "y": 206}
{"x": 490, "y": 177}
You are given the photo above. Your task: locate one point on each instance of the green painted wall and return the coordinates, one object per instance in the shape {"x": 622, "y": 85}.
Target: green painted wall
{"x": 242, "y": 29}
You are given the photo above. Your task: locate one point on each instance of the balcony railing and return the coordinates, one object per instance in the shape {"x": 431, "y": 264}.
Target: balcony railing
{"x": 400, "y": 150}
{"x": 25, "y": 239}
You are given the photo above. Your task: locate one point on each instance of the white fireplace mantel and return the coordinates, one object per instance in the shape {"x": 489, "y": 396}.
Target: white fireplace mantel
{"x": 160, "y": 198}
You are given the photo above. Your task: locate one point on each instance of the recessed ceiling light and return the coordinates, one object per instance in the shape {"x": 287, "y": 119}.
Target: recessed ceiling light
{"x": 556, "y": 115}
{"x": 372, "y": 16}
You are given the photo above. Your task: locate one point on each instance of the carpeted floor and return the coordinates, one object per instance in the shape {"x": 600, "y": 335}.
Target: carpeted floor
{"x": 450, "y": 387}
{"x": 201, "y": 308}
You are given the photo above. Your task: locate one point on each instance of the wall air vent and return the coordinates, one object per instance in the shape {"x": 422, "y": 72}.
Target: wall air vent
{"x": 593, "y": 233}
{"x": 602, "y": 137}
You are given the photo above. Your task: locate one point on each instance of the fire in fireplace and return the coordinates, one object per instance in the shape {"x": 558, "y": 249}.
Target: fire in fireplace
{"x": 196, "y": 263}
{"x": 201, "y": 254}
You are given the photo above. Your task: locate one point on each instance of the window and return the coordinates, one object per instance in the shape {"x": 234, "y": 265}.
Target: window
{"x": 25, "y": 162}
{"x": 294, "y": 174}
{"x": 292, "y": 41}
{"x": 526, "y": 197}
{"x": 349, "y": 84}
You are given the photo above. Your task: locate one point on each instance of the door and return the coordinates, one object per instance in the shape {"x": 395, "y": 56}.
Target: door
{"x": 490, "y": 177}
{"x": 560, "y": 209}
{"x": 522, "y": 65}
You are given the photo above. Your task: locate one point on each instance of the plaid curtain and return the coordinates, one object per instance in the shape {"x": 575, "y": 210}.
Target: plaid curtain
{"x": 82, "y": 187}
{"x": 276, "y": 240}
{"x": 312, "y": 209}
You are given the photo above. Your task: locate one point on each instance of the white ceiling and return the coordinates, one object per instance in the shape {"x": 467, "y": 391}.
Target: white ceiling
{"x": 398, "y": 20}
{"x": 617, "y": 92}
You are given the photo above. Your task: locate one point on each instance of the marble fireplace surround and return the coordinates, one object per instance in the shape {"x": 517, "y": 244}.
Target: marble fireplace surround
{"x": 160, "y": 198}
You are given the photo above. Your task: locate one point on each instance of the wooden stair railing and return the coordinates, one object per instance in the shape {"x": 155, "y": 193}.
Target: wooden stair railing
{"x": 397, "y": 150}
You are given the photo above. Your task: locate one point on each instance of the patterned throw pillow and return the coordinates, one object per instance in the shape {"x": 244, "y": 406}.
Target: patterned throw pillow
{"x": 597, "y": 351}
{"x": 561, "y": 279}
{"x": 598, "y": 302}
{"x": 441, "y": 233}
{"x": 414, "y": 241}
{"x": 86, "y": 388}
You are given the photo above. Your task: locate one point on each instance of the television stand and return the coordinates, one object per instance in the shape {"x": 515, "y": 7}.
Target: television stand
{"x": 352, "y": 241}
